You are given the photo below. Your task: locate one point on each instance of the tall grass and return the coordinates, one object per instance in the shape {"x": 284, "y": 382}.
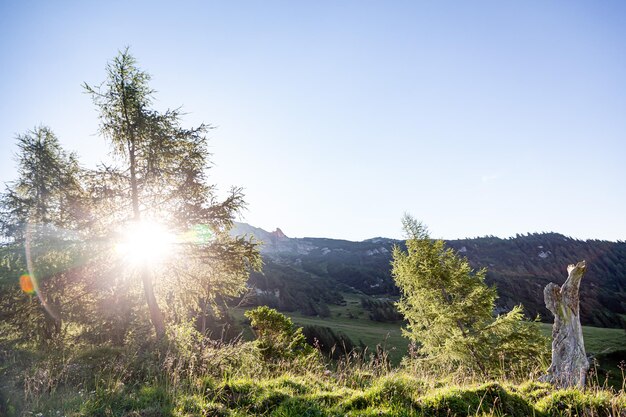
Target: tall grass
{"x": 192, "y": 376}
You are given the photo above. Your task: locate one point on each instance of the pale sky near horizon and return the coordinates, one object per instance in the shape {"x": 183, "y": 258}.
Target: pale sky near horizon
{"x": 336, "y": 117}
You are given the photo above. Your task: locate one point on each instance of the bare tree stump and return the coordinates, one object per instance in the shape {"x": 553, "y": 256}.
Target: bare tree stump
{"x": 569, "y": 361}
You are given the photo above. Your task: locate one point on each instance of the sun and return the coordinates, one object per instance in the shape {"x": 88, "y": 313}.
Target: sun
{"x": 145, "y": 242}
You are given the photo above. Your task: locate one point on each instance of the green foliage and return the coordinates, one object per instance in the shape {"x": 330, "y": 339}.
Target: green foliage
{"x": 162, "y": 178}
{"x": 252, "y": 387}
{"x": 277, "y": 337}
{"x": 62, "y": 224}
{"x": 449, "y": 310}
{"x": 48, "y": 189}
{"x": 40, "y": 216}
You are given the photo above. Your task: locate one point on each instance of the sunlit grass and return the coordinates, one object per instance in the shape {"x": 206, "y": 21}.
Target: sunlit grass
{"x": 186, "y": 379}
{"x": 130, "y": 385}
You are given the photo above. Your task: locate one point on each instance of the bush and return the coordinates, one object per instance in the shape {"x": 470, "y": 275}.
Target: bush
{"x": 277, "y": 337}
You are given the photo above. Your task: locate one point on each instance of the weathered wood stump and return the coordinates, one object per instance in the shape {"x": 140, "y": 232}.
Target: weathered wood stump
{"x": 569, "y": 361}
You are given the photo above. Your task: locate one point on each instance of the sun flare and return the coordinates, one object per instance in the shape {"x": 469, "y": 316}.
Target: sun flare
{"x": 145, "y": 242}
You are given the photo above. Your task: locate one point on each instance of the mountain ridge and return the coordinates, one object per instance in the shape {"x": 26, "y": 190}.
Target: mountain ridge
{"x": 520, "y": 267}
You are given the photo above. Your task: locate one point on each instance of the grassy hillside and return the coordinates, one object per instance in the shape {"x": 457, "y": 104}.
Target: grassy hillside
{"x": 352, "y": 320}
{"x": 191, "y": 377}
{"x": 230, "y": 381}
{"x": 393, "y": 395}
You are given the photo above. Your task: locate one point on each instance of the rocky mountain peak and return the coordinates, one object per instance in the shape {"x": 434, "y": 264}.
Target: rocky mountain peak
{"x": 279, "y": 234}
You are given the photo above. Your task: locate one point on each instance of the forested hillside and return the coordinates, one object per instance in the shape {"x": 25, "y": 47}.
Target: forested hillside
{"x": 308, "y": 273}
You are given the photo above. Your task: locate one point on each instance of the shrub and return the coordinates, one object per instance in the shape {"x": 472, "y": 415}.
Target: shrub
{"x": 277, "y": 337}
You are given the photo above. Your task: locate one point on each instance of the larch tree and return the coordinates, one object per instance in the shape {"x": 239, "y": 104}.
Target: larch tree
{"x": 40, "y": 215}
{"x": 449, "y": 309}
{"x": 156, "y": 204}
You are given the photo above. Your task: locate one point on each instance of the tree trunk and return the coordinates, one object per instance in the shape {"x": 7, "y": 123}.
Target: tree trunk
{"x": 569, "y": 361}
{"x": 156, "y": 316}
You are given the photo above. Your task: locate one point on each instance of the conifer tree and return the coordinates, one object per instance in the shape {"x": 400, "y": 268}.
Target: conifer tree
{"x": 160, "y": 178}
{"x": 449, "y": 309}
{"x": 90, "y": 235}
{"x": 40, "y": 213}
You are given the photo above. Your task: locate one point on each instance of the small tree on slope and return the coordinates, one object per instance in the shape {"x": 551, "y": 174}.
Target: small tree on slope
{"x": 449, "y": 310}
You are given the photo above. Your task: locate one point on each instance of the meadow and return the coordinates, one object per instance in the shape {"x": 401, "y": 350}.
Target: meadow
{"x": 352, "y": 320}
{"x": 189, "y": 378}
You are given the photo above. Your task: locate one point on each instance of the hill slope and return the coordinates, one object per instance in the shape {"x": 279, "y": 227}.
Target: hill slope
{"x": 307, "y": 274}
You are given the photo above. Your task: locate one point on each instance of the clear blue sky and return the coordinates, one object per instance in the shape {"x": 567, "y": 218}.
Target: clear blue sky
{"x": 479, "y": 118}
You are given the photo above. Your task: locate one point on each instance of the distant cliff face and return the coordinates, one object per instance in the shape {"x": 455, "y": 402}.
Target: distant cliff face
{"x": 276, "y": 243}
{"x": 519, "y": 267}
{"x": 278, "y": 234}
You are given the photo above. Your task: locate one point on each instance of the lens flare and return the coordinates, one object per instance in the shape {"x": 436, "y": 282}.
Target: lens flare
{"x": 30, "y": 283}
{"x": 26, "y": 284}
{"x": 145, "y": 242}
{"x": 150, "y": 242}
{"x": 198, "y": 234}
